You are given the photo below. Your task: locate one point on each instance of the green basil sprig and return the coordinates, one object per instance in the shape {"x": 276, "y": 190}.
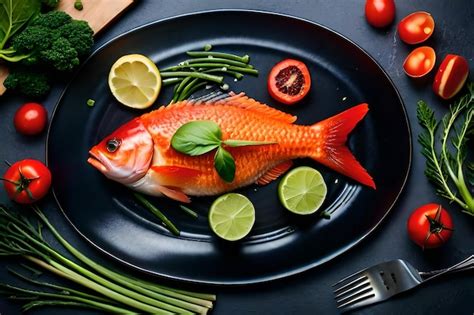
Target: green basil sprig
{"x": 202, "y": 136}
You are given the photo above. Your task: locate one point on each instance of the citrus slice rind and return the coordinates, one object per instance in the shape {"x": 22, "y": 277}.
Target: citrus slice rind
{"x": 135, "y": 81}
{"x": 232, "y": 216}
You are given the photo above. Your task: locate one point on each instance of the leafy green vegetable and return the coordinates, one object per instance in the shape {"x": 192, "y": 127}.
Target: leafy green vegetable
{"x": 449, "y": 170}
{"x": 50, "y": 4}
{"x": 51, "y": 43}
{"x": 14, "y": 15}
{"x": 224, "y": 164}
{"x": 202, "y": 136}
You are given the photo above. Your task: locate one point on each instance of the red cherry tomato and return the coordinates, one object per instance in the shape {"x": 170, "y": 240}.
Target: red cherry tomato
{"x": 420, "y": 62}
{"x": 289, "y": 81}
{"x": 379, "y": 13}
{"x": 30, "y": 119}
{"x": 451, "y": 76}
{"x": 430, "y": 226}
{"x": 27, "y": 181}
{"x": 415, "y": 28}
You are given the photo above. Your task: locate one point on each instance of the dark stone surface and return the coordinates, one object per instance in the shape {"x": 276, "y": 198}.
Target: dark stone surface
{"x": 310, "y": 292}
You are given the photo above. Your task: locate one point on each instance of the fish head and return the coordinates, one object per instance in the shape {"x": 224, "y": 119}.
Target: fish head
{"x": 125, "y": 155}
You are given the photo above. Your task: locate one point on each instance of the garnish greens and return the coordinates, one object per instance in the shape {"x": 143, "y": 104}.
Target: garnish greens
{"x": 202, "y": 136}
{"x": 199, "y": 71}
{"x": 104, "y": 289}
{"x": 450, "y": 170}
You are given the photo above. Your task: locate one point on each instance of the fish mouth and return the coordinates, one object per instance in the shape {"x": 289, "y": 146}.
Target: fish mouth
{"x": 95, "y": 161}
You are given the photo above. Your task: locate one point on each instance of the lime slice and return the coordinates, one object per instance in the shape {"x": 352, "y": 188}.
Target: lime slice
{"x": 135, "y": 81}
{"x": 302, "y": 190}
{"x": 232, "y": 216}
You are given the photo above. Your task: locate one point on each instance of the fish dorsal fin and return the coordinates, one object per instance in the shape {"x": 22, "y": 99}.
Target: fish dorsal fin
{"x": 274, "y": 173}
{"x": 243, "y": 101}
{"x": 239, "y": 100}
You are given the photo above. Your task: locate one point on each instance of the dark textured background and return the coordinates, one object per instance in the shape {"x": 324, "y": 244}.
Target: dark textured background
{"x": 309, "y": 292}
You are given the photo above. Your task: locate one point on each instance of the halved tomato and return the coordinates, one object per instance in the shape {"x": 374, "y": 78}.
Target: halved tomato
{"x": 420, "y": 62}
{"x": 289, "y": 81}
{"x": 415, "y": 28}
{"x": 451, "y": 76}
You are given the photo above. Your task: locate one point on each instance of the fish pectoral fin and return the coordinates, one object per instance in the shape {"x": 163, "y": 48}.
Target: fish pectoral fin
{"x": 176, "y": 171}
{"x": 174, "y": 193}
{"x": 274, "y": 173}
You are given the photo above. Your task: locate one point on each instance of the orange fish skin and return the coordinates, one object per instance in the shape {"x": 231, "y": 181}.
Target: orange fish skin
{"x": 240, "y": 118}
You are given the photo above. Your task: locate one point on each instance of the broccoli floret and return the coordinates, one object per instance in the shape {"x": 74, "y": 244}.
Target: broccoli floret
{"x": 33, "y": 38}
{"x": 54, "y": 43}
{"x": 50, "y": 4}
{"x": 30, "y": 83}
{"x": 79, "y": 34}
{"x": 52, "y": 20}
{"x": 61, "y": 55}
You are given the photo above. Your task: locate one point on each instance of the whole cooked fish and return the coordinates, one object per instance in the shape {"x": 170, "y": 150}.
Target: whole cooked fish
{"x": 139, "y": 154}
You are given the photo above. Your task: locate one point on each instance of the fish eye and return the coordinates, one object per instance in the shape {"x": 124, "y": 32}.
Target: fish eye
{"x": 113, "y": 145}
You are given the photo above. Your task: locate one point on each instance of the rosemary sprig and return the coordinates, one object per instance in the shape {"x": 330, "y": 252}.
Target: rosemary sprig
{"x": 449, "y": 169}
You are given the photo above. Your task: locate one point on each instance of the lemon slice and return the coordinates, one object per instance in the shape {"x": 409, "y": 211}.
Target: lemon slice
{"x": 302, "y": 190}
{"x": 135, "y": 81}
{"x": 232, "y": 216}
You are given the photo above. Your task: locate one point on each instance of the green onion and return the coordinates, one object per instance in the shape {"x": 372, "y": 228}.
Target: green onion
{"x": 244, "y": 58}
{"x": 189, "y": 211}
{"x": 90, "y": 102}
{"x": 114, "y": 292}
{"x": 169, "y": 225}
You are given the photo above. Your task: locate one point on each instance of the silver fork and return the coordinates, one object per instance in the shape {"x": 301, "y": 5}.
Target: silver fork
{"x": 382, "y": 281}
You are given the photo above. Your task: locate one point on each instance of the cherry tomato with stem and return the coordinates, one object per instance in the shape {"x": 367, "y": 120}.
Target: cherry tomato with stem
{"x": 289, "y": 81}
{"x": 420, "y": 62}
{"x": 430, "y": 226}
{"x": 415, "y": 28}
{"x": 30, "y": 119}
{"x": 451, "y": 76}
{"x": 27, "y": 181}
{"x": 380, "y": 13}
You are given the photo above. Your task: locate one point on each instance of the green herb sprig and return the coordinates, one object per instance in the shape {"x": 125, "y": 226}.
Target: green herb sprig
{"x": 449, "y": 170}
{"x": 202, "y": 136}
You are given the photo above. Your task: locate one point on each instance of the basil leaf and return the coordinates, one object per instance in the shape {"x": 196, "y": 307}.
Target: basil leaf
{"x": 242, "y": 143}
{"x": 14, "y": 15}
{"x": 224, "y": 164}
{"x": 197, "y": 137}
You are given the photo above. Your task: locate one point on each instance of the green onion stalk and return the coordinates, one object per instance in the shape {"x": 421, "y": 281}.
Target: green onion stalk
{"x": 106, "y": 290}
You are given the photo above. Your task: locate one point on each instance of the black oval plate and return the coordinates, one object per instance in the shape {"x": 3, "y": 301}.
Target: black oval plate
{"x": 280, "y": 243}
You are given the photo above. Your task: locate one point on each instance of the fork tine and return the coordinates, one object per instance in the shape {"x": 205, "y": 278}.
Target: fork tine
{"x": 339, "y": 297}
{"x": 353, "y": 302}
{"x": 349, "y": 284}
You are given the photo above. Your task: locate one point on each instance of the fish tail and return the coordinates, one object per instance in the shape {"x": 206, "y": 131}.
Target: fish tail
{"x": 332, "y": 151}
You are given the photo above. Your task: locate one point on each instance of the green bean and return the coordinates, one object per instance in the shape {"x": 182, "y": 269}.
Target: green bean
{"x": 183, "y": 84}
{"x": 194, "y": 89}
{"x": 171, "y": 81}
{"x": 244, "y": 59}
{"x": 236, "y": 75}
{"x": 185, "y": 91}
{"x": 216, "y": 60}
{"x": 204, "y": 76}
{"x": 213, "y": 65}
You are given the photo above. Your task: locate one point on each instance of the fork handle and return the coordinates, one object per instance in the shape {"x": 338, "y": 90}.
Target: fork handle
{"x": 466, "y": 264}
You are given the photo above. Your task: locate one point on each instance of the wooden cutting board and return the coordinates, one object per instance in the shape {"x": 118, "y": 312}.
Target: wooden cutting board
{"x": 98, "y": 13}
